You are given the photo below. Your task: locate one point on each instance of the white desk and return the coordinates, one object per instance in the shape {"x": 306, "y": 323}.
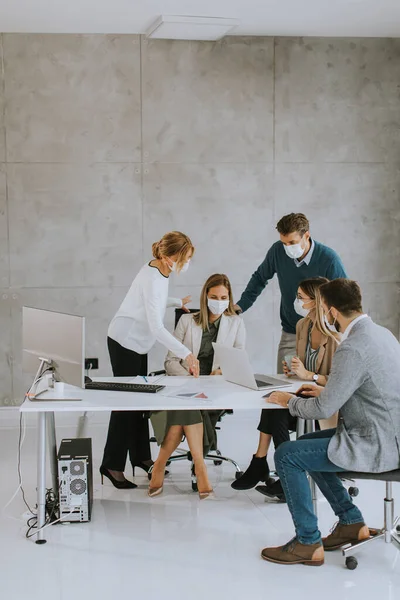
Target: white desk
{"x": 220, "y": 395}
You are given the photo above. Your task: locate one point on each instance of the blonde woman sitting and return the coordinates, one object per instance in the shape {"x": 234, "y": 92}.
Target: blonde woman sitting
{"x": 316, "y": 346}
{"x": 216, "y": 322}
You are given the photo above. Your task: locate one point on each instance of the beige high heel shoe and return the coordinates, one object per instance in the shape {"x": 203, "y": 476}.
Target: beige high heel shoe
{"x": 207, "y": 495}
{"x": 154, "y": 491}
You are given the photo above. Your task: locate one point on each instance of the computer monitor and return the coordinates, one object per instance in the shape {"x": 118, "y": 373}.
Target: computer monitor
{"x": 57, "y": 342}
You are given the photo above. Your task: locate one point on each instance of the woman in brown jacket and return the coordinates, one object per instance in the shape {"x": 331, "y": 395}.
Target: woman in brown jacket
{"x": 315, "y": 346}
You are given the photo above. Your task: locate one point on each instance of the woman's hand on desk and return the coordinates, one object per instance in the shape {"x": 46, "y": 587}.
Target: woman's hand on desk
{"x": 309, "y": 390}
{"x": 193, "y": 364}
{"x": 281, "y": 398}
{"x": 186, "y": 300}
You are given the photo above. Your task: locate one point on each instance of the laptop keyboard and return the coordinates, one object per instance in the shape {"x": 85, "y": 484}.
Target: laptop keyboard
{"x": 262, "y": 383}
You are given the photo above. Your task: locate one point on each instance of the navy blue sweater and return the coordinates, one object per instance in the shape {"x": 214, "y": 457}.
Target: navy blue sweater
{"x": 324, "y": 263}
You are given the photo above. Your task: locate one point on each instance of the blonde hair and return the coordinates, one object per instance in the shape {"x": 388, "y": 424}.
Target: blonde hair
{"x": 311, "y": 287}
{"x": 201, "y": 318}
{"x": 176, "y": 244}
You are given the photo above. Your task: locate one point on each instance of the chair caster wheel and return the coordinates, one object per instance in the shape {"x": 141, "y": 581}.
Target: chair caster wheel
{"x": 398, "y": 528}
{"x": 218, "y": 463}
{"x": 194, "y": 486}
{"x": 238, "y": 474}
{"x": 351, "y": 563}
{"x": 354, "y": 491}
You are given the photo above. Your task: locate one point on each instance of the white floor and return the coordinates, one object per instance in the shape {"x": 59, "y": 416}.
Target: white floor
{"x": 173, "y": 546}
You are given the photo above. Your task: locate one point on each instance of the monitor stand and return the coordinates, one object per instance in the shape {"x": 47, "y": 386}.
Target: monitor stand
{"x": 46, "y": 365}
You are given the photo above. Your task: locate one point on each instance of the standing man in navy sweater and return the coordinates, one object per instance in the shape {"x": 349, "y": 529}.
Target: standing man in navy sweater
{"x": 294, "y": 258}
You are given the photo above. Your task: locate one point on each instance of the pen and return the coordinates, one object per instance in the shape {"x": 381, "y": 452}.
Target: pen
{"x": 145, "y": 378}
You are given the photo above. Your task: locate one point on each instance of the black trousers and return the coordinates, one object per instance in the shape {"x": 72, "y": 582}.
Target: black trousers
{"x": 278, "y": 423}
{"x": 128, "y": 431}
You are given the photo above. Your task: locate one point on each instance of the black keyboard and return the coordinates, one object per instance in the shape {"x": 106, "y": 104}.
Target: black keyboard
{"x": 123, "y": 387}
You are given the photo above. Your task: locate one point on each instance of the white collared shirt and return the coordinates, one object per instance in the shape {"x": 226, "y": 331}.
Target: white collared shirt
{"x": 349, "y": 327}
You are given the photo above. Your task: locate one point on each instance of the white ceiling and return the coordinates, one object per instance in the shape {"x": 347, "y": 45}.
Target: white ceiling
{"x": 364, "y": 18}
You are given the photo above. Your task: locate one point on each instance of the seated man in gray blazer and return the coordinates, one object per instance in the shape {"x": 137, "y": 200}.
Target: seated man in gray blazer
{"x": 364, "y": 386}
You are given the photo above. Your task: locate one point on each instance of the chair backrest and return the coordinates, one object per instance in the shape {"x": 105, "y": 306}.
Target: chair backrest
{"x": 179, "y": 312}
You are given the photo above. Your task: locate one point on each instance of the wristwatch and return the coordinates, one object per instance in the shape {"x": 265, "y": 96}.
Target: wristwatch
{"x": 315, "y": 377}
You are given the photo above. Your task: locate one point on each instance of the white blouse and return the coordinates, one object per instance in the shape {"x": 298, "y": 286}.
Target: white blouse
{"x": 138, "y": 323}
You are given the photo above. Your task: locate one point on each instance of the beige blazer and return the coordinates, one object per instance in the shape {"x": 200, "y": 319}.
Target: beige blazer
{"x": 231, "y": 332}
{"x": 324, "y": 362}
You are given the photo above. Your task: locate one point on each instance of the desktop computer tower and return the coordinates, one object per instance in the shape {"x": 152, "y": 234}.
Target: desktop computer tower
{"x": 75, "y": 475}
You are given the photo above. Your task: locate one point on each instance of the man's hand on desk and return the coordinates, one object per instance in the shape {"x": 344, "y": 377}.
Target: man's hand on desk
{"x": 308, "y": 390}
{"x": 281, "y": 398}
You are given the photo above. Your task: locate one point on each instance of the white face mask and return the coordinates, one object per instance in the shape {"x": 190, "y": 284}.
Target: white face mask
{"x": 299, "y": 308}
{"x": 332, "y": 327}
{"x": 217, "y": 307}
{"x": 185, "y": 267}
{"x": 173, "y": 267}
{"x": 294, "y": 251}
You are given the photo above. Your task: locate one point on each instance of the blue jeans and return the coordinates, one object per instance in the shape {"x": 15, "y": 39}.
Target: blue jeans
{"x": 309, "y": 454}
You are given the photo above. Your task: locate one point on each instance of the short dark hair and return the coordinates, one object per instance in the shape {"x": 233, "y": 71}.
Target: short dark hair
{"x": 293, "y": 223}
{"x": 342, "y": 294}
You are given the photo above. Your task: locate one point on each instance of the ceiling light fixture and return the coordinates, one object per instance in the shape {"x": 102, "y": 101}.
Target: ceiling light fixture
{"x": 191, "y": 28}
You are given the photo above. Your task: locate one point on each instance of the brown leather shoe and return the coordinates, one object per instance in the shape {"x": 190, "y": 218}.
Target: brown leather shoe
{"x": 294, "y": 553}
{"x": 342, "y": 535}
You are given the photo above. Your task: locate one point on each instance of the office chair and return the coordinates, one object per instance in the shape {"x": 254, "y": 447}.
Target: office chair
{"x": 215, "y": 456}
{"x": 390, "y": 532}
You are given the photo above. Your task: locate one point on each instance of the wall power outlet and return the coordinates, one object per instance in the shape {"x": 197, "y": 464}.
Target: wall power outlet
{"x": 91, "y": 364}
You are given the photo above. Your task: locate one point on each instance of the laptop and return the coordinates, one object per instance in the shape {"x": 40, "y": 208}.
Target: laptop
{"x": 236, "y": 368}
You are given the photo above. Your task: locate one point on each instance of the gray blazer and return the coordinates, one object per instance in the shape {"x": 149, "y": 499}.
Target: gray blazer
{"x": 364, "y": 385}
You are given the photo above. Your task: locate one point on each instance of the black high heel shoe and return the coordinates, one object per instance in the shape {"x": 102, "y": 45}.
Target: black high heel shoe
{"x": 146, "y": 467}
{"x": 120, "y": 485}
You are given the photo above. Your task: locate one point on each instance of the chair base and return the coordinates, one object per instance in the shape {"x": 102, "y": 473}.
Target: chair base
{"x": 390, "y": 533}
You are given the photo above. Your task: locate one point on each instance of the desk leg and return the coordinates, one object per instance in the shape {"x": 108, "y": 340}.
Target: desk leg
{"x": 51, "y": 436}
{"x": 41, "y": 477}
{"x": 310, "y": 428}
